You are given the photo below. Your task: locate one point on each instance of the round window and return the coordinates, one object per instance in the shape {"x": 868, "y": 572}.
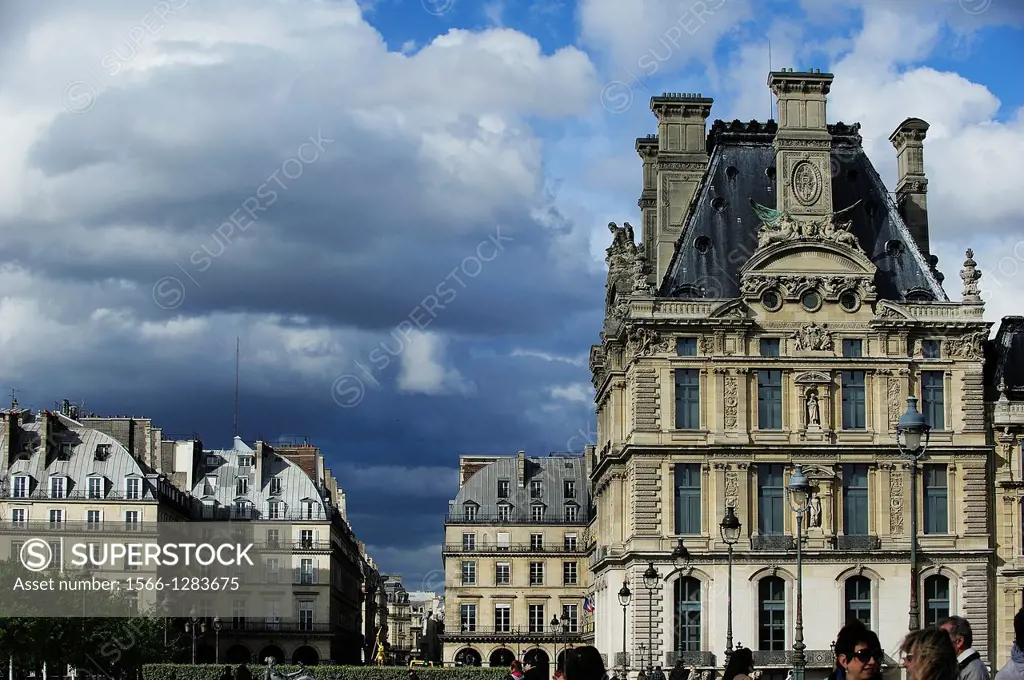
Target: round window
{"x": 849, "y": 301}
{"x": 811, "y": 301}
{"x": 771, "y": 301}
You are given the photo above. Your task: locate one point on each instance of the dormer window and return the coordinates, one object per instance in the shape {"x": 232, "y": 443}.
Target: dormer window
{"x": 536, "y": 489}
{"x": 64, "y": 451}
{"x": 504, "y": 488}
{"x": 20, "y": 488}
{"x": 572, "y": 513}
{"x": 274, "y": 510}
{"x": 469, "y": 511}
{"x": 504, "y": 512}
{"x": 102, "y": 452}
{"x": 95, "y": 488}
{"x": 133, "y": 489}
{"x": 242, "y": 486}
{"x": 310, "y": 510}
{"x": 240, "y": 510}
{"x": 212, "y": 461}
{"x": 569, "y": 490}
{"x": 58, "y": 487}
{"x": 244, "y": 462}
{"x": 275, "y": 486}
{"x": 537, "y": 513}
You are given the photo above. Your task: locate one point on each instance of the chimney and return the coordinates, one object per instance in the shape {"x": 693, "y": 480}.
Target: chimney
{"x": 45, "y": 434}
{"x": 521, "y": 468}
{"x": 262, "y": 451}
{"x": 911, "y": 183}
{"x": 12, "y": 435}
{"x": 647, "y": 148}
{"x": 803, "y": 145}
{"x": 680, "y": 162}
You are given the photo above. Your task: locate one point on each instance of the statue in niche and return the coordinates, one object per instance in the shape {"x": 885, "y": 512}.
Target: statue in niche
{"x": 813, "y": 411}
{"x": 814, "y": 511}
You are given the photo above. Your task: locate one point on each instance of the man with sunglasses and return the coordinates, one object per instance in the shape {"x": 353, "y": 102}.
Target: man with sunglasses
{"x": 858, "y": 653}
{"x": 971, "y": 665}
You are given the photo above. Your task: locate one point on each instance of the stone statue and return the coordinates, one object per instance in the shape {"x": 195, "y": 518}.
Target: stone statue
{"x": 813, "y": 413}
{"x": 970, "y": 276}
{"x": 778, "y": 226}
{"x": 814, "y": 337}
{"x": 814, "y": 511}
{"x": 641, "y": 286}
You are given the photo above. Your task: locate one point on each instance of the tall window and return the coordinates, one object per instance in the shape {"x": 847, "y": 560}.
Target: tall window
{"x": 769, "y": 400}
{"x": 504, "y": 487}
{"x": 933, "y": 405}
{"x": 569, "y": 489}
{"x": 502, "y": 573}
{"x": 853, "y": 349}
{"x": 467, "y": 616}
{"x": 241, "y": 486}
{"x": 855, "y": 500}
{"x": 469, "y": 573}
{"x": 536, "y": 618}
{"x": 275, "y": 486}
{"x": 536, "y": 489}
{"x": 769, "y": 499}
{"x": 771, "y": 593}
{"x": 686, "y": 347}
{"x": 469, "y": 541}
{"x": 853, "y": 400}
{"x": 687, "y": 399}
{"x": 569, "y": 574}
{"x": 133, "y": 488}
{"x": 571, "y": 612}
{"x": 58, "y": 487}
{"x": 858, "y": 599}
{"x": 936, "y": 599}
{"x": 502, "y": 618}
{"x": 769, "y": 347}
{"x": 536, "y": 573}
{"x": 504, "y": 512}
{"x": 572, "y": 513}
{"x": 537, "y": 513}
{"x": 687, "y": 481}
{"x": 687, "y": 599}
{"x": 936, "y": 500}
{"x": 536, "y": 542}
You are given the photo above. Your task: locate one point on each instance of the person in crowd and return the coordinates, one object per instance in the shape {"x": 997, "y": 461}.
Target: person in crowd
{"x": 969, "y": 661}
{"x": 559, "y": 674}
{"x": 929, "y": 655}
{"x": 243, "y": 672}
{"x": 858, "y": 653}
{"x": 679, "y": 672}
{"x": 658, "y": 673}
{"x": 1014, "y": 668}
{"x": 584, "y": 663}
{"x": 740, "y": 666}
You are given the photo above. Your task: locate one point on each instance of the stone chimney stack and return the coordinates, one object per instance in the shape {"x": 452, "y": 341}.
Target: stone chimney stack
{"x": 521, "y": 468}
{"x": 911, "y": 183}
{"x": 803, "y": 145}
{"x": 12, "y": 436}
{"x": 680, "y": 161}
{"x": 647, "y": 148}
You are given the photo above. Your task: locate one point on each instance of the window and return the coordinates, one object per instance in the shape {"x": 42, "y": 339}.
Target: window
{"x": 687, "y": 628}
{"x": 20, "y": 487}
{"x": 275, "y": 486}
{"x": 312, "y": 510}
{"x": 572, "y": 513}
{"x": 469, "y": 541}
{"x": 504, "y": 488}
{"x": 238, "y": 614}
{"x": 273, "y": 510}
{"x": 502, "y": 574}
{"x": 133, "y": 488}
{"x": 58, "y": 555}
{"x": 686, "y": 347}
{"x": 242, "y": 486}
{"x": 18, "y": 516}
{"x": 467, "y": 617}
{"x": 93, "y": 519}
{"x": 931, "y": 349}
{"x": 240, "y": 510}
{"x": 853, "y": 400}
{"x": 273, "y": 569}
{"x": 306, "y": 574}
{"x": 569, "y": 574}
{"x": 56, "y": 517}
{"x": 769, "y": 347}
{"x": 131, "y": 520}
{"x": 244, "y": 463}
{"x": 853, "y": 349}
{"x": 769, "y": 400}
{"x": 505, "y": 512}
{"x": 571, "y": 612}
{"x": 858, "y": 599}
{"x": 687, "y": 399}
{"x": 536, "y": 612}
{"x": 58, "y": 487}
{"x": 687, "y": 499}
{"x": 469, "y": 573}
{"x": 537, "y": 513}
{"x": 469, "y": 511}
{"x": 536, "y": 573}
{"x": 306, "y": 539}
{"x": 95, "y": 487}
{"x": 536, "y": 489}
{"x": 569, "y": 543}
{"x": 855, "y": 500}
{"x": 933, "y": 405}
{"x": 772, "y": 615}
{"x": 102, "y": 452}
{"x": 569, "y": 489}
{"x": 536, "y": 542}
{"x": 64, "y": 451}
{"x": 770, "y": 499}
{"x": 502, "y": 618}
{"x": 273, "y": 538}
{"x": 936, "y": 499}
{"x": 305, "y": 616}
{"x": 936, "y": 599}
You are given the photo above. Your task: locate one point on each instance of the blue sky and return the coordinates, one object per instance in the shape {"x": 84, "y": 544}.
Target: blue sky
{"x": 428, "y": 278}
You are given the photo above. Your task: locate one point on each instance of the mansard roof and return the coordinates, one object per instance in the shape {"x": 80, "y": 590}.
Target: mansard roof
{"x": 720, "y": 233}
{"x": 1004, "y": 360}
{"x": 482, "y": 488}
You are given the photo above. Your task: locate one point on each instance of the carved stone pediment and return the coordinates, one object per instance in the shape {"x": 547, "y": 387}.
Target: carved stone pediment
{"x": 818, "y": 472}
{"x": 813, "y": 378}
{"x": 888, "y": 310}
{"x": 734, "y": 309}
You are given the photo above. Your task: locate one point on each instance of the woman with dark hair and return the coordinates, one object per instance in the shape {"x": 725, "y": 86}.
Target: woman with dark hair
{"x": 929, "y": 655}
{"x": 740, "y": 666}
{"x": 584, "y": 663}
{"x": 858, "y": 653}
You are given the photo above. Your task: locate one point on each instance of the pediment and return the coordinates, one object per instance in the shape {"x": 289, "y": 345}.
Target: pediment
{"x": 733, "y": 309}
{"x": 818, "y": 472}
{"x": 813, "y": 377}
{"x": 888, "y": 310}
{"x": 808, "y": 258}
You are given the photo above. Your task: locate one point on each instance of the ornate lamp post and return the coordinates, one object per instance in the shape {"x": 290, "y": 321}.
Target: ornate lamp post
{"x": 912, "y": 433}
{"x": 624, "y": 596}
{"x": 555, "y": 627}
{"x": 651, "y": 578}
{"x": 195, "y": 629}
{"x": 730, "y": 528}
{"x": 799, "y": 493}
{"x": 216, "y": 630}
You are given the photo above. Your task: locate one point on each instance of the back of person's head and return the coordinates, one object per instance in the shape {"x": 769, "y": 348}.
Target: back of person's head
{"x": 740, "y": 663}
{"x": 584, "y": 663}
{"x": 958, "y": 626}
{"x": 516, "y": 667}
{"x": 852, "y": 634}
{"x": 1018, "y": 628}
{"x": 932, "y": 654}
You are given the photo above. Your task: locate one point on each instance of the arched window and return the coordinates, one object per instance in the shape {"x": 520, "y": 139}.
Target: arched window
{"x": 772, "y": 614}
{"x": 936, "y": 599}
{"x": 858, "y": 599}
{"x": 687, "y": 628}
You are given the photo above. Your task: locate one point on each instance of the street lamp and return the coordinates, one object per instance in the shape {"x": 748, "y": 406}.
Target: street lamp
{"x": 555, "y": 627}
{"x": 624, "y": 597}
{"x": 651, "y": 578}
{"x": 195, "y": 629}
{"x": 216, "y": 630}
{"x": 730, "y": 528}
{"x": 799, "y": 494}
{"x": 912, "y": 433}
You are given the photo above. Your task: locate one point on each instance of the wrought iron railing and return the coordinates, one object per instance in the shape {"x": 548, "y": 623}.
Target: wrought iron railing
{"x": 699, "y": 659}
{"x": 814, "y": 658}
{"x": 864, "y": 543}
{"x": 513, "y": 548}
{"x": 455, "y": 631}
{"x": 250, "y": 625}
{"x": 515, "y": 518}
{"x": 772, "y": 542}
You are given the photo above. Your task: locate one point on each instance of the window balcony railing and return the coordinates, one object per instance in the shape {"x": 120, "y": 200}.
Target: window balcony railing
{"x": 772, "y": 542}
{"x": 862, "y": 543}
{"x": 699, "y": 659}
{"x": 514, "y": 518}
{"x": 513, "y": 548}
{"x": 455, "y": 631}
{"x": 816, "y": 658}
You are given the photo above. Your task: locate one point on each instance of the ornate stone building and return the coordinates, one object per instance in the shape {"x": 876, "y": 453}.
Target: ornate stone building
{"x": 780, "y": 309}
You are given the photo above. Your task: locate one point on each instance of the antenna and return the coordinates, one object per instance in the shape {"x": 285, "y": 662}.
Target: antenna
{"x": 237, "y": 348}
{"x": 14, "y": 399}
{"x": 771, "y": 107}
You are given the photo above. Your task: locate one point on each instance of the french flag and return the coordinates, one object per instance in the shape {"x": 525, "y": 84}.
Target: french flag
{"x": 588, "y": 604}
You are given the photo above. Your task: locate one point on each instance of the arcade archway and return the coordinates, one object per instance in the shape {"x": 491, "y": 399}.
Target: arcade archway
{"x": 502, "y": 658}
{"x": 306, "y": 655}
{"x": 468, "y": 657}
{"x": 237, "y": 654}
{"x": 540, "y": 662}
{"x": 271, "y": 650}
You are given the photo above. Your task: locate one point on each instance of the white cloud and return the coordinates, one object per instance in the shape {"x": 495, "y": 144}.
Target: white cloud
{"x": 576, "y": 392}
{"x": 422, "y": 367}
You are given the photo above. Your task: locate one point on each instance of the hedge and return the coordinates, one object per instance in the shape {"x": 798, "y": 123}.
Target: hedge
{"x": 173, "y": 671}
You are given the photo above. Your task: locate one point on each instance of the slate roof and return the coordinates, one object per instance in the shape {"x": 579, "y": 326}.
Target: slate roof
{"x": 1004, "y": 359}
{"x": 742, "y": 167}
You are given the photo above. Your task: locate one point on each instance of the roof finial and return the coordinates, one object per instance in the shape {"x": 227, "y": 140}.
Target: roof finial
{"x": 970, "y": 276}
{"x": 1002, "y": 388}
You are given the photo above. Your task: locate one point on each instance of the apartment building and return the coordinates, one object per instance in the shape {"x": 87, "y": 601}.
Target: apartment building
{"x": 515, "y": 578}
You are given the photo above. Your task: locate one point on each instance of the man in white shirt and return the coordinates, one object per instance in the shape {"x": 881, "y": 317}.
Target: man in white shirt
{"x": 971, "y": 665}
